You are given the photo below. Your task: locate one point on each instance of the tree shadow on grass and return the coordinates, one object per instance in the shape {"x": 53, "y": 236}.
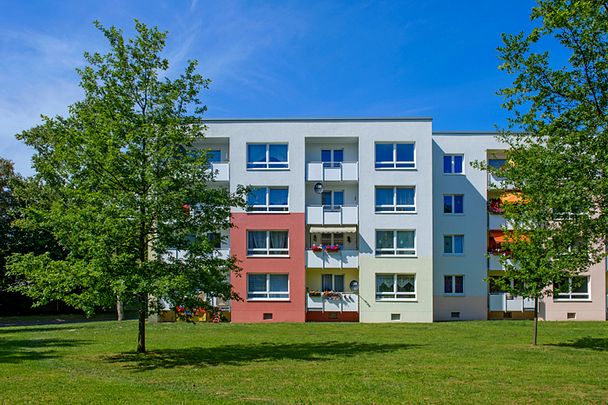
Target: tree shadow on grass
{"x": 18, "y": 350}
{"x": 238, "y": 355}
{"x": 587, "y": 342}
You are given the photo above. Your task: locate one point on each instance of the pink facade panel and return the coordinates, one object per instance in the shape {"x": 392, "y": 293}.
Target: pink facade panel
{"x": 290, "y": 310}
{"x": 593, "y": 309}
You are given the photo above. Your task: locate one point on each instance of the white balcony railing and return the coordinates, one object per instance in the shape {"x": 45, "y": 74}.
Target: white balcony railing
{"x": 345, "y": 215}
{"x": 342, "y": 259}
{"x": 506, "y": 303}
{"x": 343, "y": 171}
{"x": 497, "y": 222}
{"x": 221, "y": 170}
{"x": 496, "y": 182}
{"x": 345, "y": 303}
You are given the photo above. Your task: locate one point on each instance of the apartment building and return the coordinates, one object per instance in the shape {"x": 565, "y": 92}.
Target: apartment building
{"x": 370, "y": 220}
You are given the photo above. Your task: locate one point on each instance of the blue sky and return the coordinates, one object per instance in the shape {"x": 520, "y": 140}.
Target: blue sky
{"x": 274, "y": 58}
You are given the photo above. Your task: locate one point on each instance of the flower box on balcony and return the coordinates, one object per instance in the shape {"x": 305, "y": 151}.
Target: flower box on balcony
{"x": 316, "y": 248}
{"x": 332, "y": 248}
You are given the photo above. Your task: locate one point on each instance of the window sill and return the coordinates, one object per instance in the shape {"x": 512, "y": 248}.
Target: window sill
{"x": 397, "y": 300}
{"x": 267, "y": 256}
{"x": 458, "y": 214}
{"x": 396, "y": 212}
{"x": 572, "y": 300}
{"x": 268, "y": 300}
{"x": 454, "y": 254}
{"x": 272, "y": 169}
{"x": 454, "y": 174}
{"x": 410, "y": 169}
{"x": 453, "y": 294}
{"x": 389, "y": 256}
{"x": 267, "y": 212}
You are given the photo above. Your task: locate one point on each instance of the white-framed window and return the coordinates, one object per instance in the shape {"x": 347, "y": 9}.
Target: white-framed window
{"x": 332, "y": 282}
{"x": 395, "y": 155}
{"x": 214, "y": 156}
{"x": 267, "y": 156}
{"x": 573, "y": 289}
{"x": 453, "y": 244}
{"x": 395, "y": 243}
{"x": 267, "y": 243}
{"x": 332, "y": 157}
{"x": 395, "y": 199}
{"x": 332, "y": 200}
{"x": 453, "y": 204}
{"x": 332, "y": 239}
{"x": 496, "y": 163}
{"x": 395, "y": 287}
{"x": 267, "y": 286}
{"x": 268, "y": 199}
{"x": 453, "y": 164}
{"x": 453, "y": 285}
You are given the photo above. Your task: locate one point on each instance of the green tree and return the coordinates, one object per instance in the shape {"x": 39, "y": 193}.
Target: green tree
{"x": 121, "y": 184}
{"x": 557, "y": 144}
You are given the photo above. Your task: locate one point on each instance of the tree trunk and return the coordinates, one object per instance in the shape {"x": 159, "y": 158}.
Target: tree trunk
{"x": 141, "y": 336}
{"x": 535, "y": 333}
{"x": 120, "y": 313}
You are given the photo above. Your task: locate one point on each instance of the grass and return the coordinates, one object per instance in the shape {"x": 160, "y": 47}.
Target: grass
{"x": 461, "y": 362}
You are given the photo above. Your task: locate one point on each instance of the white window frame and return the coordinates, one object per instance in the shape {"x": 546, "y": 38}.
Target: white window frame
{"x": 333, "y": 281}
{"x": 453, "y": 253}
{"x": 333, "y": 207}
{"x": 453, "y": 280}
{"x": 453, "y": 197}
{"x": 395, "y": 249}
{"x": 394, "y": 162}
{"x": 266, "y": 207}
{"x": 574, "y": 296}
{"x": 268, "y": 292}
{"x": 332, "y": 163}
{"x": 267, "y": 162}
{"x": 394, "y": 296}
{"x": 452, "y": 173}
{"x": 265, "y": 252}
{"x": 394, "y": 206}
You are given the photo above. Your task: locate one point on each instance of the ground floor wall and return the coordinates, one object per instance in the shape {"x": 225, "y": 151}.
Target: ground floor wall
{"x": 464, "y": 308}
{"x": 418, "y": 310}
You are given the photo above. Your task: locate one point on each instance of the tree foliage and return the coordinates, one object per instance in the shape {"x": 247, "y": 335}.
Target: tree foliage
{"x": 557, "y": 144}
{"x": 113, "y": 178}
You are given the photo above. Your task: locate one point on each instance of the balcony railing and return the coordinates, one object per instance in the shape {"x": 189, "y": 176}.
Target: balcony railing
{"x": 342, "y": 259}
{"x": 344, "y": 303}
{"x": 221, "y": 171}
{"x": 506, "y": 303}
{"x": 497, "y": 222}
{"x": 319, "y": 215}
{"x": 335, "y": 171}
{"x": 496, "y": 182}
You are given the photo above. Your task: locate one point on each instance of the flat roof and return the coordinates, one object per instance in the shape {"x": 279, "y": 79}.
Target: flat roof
{"x": 318, "y": 119}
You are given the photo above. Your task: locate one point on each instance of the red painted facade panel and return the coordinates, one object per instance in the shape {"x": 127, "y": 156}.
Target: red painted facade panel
{"x": 294, "y": 265}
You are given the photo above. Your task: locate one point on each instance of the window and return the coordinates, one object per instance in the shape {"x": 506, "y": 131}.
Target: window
{"x": 574, "y": 288}
{"x": 453, "y": 285}
{"x": 332, "y": 239}
{"x": 332, "y": 158}
{"x": 267, "y": 286}
{"x": 395, "y": 199}
{"x": 395, "y": 156}
{"x": 268, "y": 199}
{"x": 267, "y": 156}
{"x": 395, "y": 243}
{"x": 214, "y": 239}
{"x": 453, "y": 164}
{"x": 453, "y": 204}
{"x": 496, "y": 163}
{"x": 395, "y": 287}
{"x": 267, "y": 243}
{"x": 453, "y": 244}
{"x": 214, "y": 156}
{"x": 332, "y": 282}
{"x": 332, "y": 200}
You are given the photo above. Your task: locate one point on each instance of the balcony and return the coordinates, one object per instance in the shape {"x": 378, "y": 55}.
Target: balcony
{"x": 345, "y": 215}
{"x": 496, "y": 182}
{"x": 504, "y": 302}
{"x": 344, "y": 303}
{"x": 342, "y": 259}
{"x": 221, "y": 170}
{"x": 339, "y": 171}
{"x": 497, "y": 222}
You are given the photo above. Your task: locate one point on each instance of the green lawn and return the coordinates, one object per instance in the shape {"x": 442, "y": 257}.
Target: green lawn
{"x": 460, "y": 362}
